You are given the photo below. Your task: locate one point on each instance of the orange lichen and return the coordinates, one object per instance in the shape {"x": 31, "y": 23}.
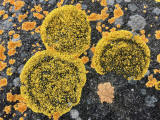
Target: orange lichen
{"x": 5, "y": 16}
{"x": 16, "y": 36}
{"x": 102, "y": 16}
{"x": 143, "y": 37}
{"x": 79, "y": 6}
{"x": 12, "y": 61}
{"x": 156, "y": 71}
{"x": 11, "y": 32}
{"x": 38, "y": 15}
{"x": 3, "y": 82}
{"x": 7, "y": 109}
{"x": 111, "y": 20}
{"x": 106, "y": 92}
{"x": 21, "y": 118}
{"x": 93, "y": 49}
{"x": 8, "y": 1}
{"x": 158, "y": 58}
{"x": 157, "y": 34}
{"x": 105, "y": 34}
{"x": 12, "y": 47}
{"x": 18, "y": 5}
{"x": 85, "y": 59}
{"x": 118, "y": 12}
{"x": 38, "y": 8}
{"x": 1, "y": 32}
{"x": 2, "y": 50}
{"x": 14, "y": 98}
{"x": 99, "y": 28}
{"x": 28, "y": 26}
{"x": 37, "y": 30}
{"x": 59, "y": 4}
{"x": 21, "y": 107}
{"x": 3, "y": 65}
{"x": 2, "y": 12}
{"x": 151, "y": 81}
{"x": 112, "y": 29}
{"x": 1, "y": 118}
{"x": 56, "y": 115}
{"x": 45, "y": 13}
{"x": 21, "y": 17}
{"x": 103, "y": 3}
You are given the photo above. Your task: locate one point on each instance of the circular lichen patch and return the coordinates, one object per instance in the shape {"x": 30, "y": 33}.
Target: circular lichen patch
{"x": 66, "y": 30}
{"x": 122, "y": 53}
{"x": 52, "y": 83}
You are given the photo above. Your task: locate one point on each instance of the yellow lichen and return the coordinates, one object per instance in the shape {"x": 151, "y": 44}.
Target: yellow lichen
{"x": 52, "y": 82}
{"x": 66, "y": 30}
{"x": 151, "y": 81}
{"x": 157, "y": 85}
{"x": 122, "y": 53}
{"x": 157, "y": 34}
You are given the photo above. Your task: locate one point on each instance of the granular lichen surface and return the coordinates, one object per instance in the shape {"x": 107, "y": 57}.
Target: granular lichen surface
{"x": 20, "y": 40}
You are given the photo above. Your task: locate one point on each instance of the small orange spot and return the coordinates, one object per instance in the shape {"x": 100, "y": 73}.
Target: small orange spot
{"x": 2, "y": 50}
{"x": 2, "y": 12}
{"x": 113, "y": 29}
{"x": 21, "y": 107}
{"x": 156, "y": 71}
{"x": 38, "y": 16}
{"x": 94, "y": 17}
{"x": 7, "y": 109}
{"x": 5, "y": 16}
{"x": 1, "y": 118}
{"x": 144, "y": 38}
{"x": 14, "y": 15}
{"x": 56, "y": 115}
{"x": 11, "y": 32}
{"x": 21, "y": 17}
{"x": 15, "y": 36}
{"x": 118, "y": 26}
{"x": 3, "y": 82}
{"x": 157, "y": 34}
{"x": 12, "y": 61}
{"x": 105, "y": 34}
{"x": 38, "y": 8}
{"x": 111, "y": 20}
{"x": 151, "y": 81}
{"x": 37, "y": 30}
{"x": 12, "y": 47}
{"x": 79, "y": 6}
{"x": 18, "y": 5}
{"x": 103, "y": 3}
{"x": 59, "y": 4}
{"x": 158, "y": 58}
{"x": 85, "y": 59}
{"x": 28, "y": 26}
{"x": 3, "y": 65}
{"x": 99, "y": 28}
{"x": 1, "y": 32}
{"x": 45, "y": 13}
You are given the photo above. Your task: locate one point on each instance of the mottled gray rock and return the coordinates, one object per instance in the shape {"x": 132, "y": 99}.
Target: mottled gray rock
{"x": 119, "y": 1}
{"x": 110, "y": 2}
{"x": 136, "y": 22}
{"x": 16, "y": 82}
{"x": 20, "y": 68}
{"x": 5, "y": 25}
{"x": 143, "y": 91}
{"x": 147, "y": 73}
{"x": 74, "y": 113}
{"x": 150, "y": 100}
{"x": 78, "y": 118}
{"x": 132, "y": 7}
{"x": 127, "y": 0}
{"x": 84, "y": 6}
{"x": 119, "y": 21}
{"x": 52, "y": 1}
{"x": 156, "y": 11}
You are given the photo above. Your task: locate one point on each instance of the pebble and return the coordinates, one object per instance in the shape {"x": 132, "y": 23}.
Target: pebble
{"x": 74, "y": 113}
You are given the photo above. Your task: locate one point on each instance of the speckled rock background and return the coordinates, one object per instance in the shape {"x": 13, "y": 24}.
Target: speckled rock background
{"x": 133, "y": 100}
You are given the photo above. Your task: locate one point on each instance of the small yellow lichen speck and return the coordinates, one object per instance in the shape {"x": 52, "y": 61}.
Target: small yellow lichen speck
{"x": 122, "y": 53}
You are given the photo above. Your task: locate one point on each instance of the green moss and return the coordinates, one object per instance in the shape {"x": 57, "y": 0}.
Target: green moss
{"x": 66, "y": 30}
{"x": 122, "y": 53}
{"x": 52, "y": 83}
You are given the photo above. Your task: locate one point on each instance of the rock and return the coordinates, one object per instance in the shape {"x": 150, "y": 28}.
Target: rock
{"x": 74, "y": 114}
